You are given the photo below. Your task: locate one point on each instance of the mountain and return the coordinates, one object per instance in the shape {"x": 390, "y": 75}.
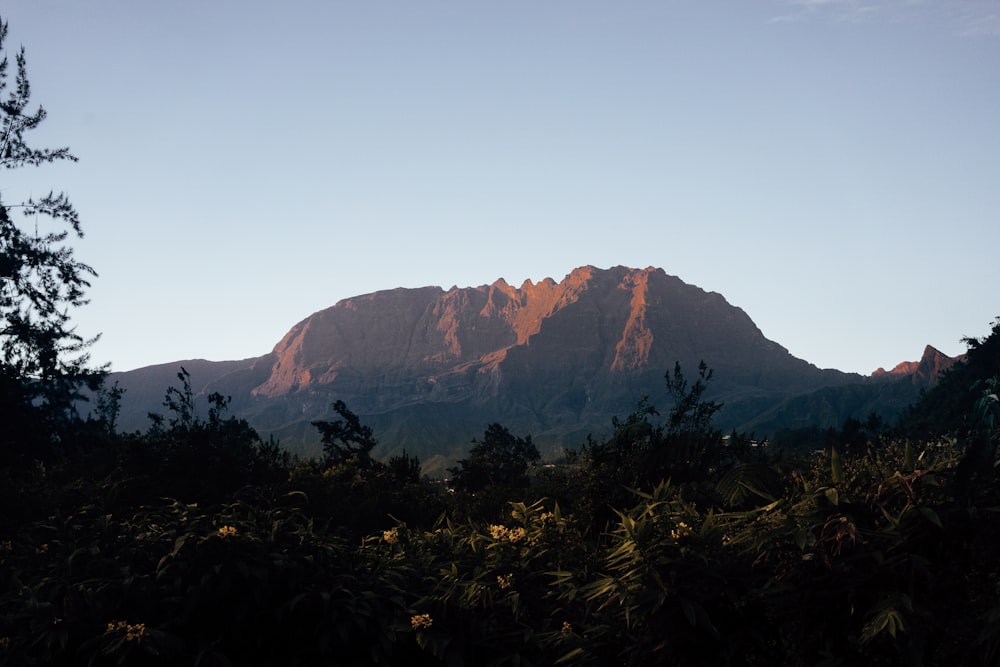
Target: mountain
{"x": 430, "y": 368}
{"x": 924, "y": 372}
{"x": 885, "y": 393}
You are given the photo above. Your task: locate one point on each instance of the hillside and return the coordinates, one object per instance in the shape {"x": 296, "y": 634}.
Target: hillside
{"x": 428, "y": 368}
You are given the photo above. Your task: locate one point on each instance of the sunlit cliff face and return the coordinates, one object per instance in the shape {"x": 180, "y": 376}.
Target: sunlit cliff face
{"x": 931, "y": 365}
{"x": 438, "y": 330}
{"x": 612, "y": 320}
{"x": 632, "y": 351}
{"x": 557, "y": 360}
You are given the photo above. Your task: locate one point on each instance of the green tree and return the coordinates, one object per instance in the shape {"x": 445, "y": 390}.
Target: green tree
{"x": 691, "y": 412}
{"x": 43, "y": 360}
{"x": 109, "y": 406}
{"x": 500, "y": 459}
{"x": 180, "y": 402}
{"x": 640, "y": 453}
{"x": 198, "y": 460}
{"x": 404, "y": 468}
{"x": 346, "y": 438}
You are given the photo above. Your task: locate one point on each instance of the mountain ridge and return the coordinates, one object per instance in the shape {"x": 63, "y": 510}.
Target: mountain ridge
{"x": 429, "y": 368}
{"x": 925, "y": 371}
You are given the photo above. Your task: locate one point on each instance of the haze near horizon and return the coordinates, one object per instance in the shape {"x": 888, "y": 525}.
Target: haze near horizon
{"x": 829, "y": 166}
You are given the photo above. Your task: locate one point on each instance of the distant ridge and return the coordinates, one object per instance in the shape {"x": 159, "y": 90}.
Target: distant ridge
{"x": 429, "y": 368}
{"x": 924, "y": 372}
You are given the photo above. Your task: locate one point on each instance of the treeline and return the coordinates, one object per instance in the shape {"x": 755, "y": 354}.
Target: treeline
{"x": 196, "y": 542}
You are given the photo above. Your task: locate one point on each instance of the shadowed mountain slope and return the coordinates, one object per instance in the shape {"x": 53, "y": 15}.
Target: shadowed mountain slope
{"x": 429, "y": 368}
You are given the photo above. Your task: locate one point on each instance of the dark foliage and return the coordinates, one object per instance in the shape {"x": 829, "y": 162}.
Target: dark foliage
{"x": 346, "y": 439}
{"x": 496, "y": 471}
{"x": 640, "y": 452}
{"x": 943, "y": 410}
{"x": 196, "y": 543}
{"x": 43, "y": 361}
{"x": 500, "y": 459}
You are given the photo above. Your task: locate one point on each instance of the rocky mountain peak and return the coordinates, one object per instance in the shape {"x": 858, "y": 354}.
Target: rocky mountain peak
{"x": 620, "y": 320}
{"x": 925, "y": 372}
{"x": 429, "y": 368}
{"x": 442, "y": 330}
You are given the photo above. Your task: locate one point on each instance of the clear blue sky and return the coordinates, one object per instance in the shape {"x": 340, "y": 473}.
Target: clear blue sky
{"x": 832, "y": 167}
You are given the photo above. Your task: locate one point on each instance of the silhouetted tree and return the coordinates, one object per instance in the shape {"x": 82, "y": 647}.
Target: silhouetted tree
{"x": 43, "y": 361}
{"x": 109, "y": 406}
{"x": 500, "y": 459}
{"x": 346, "y": 438}
{"x": 180, "y": 402}
{"x": 691, "y": 412}
{"x": 639, "y": 453}
{"x": 199, "y": 460}
{"x": 404, "y": 468}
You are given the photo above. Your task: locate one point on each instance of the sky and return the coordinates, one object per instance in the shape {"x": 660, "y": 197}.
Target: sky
{"x": 832, "y": 167}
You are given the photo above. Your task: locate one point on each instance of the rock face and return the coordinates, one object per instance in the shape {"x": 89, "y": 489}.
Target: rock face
{"x": 609, "y": 324}
{"x": 922, "y": 373}
{"x": 429, "y": 368}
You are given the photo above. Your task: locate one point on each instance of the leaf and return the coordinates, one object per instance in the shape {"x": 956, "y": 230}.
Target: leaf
{"x": 705, "y": 623}
{"x": 569, "y": 656}
{"x": 689, "y": 611}
{"x": 802, "y": 539}
{"x": 909, "y": 463}
{"x": 887, "y": 619}
{"x": 931, "y": 516}
{"x": 893, "y": 521}
{"x": 301, "y": 495}
{"x": 836, "y": 467}
{"x": 179, "y": 543}
{"x": 560, "y": 576}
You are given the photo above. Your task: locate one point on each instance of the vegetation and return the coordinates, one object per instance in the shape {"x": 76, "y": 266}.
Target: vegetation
{"x": 198, "y": 543}
{"x": 496, "y": 471}
{"x": 43, "y": 361}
